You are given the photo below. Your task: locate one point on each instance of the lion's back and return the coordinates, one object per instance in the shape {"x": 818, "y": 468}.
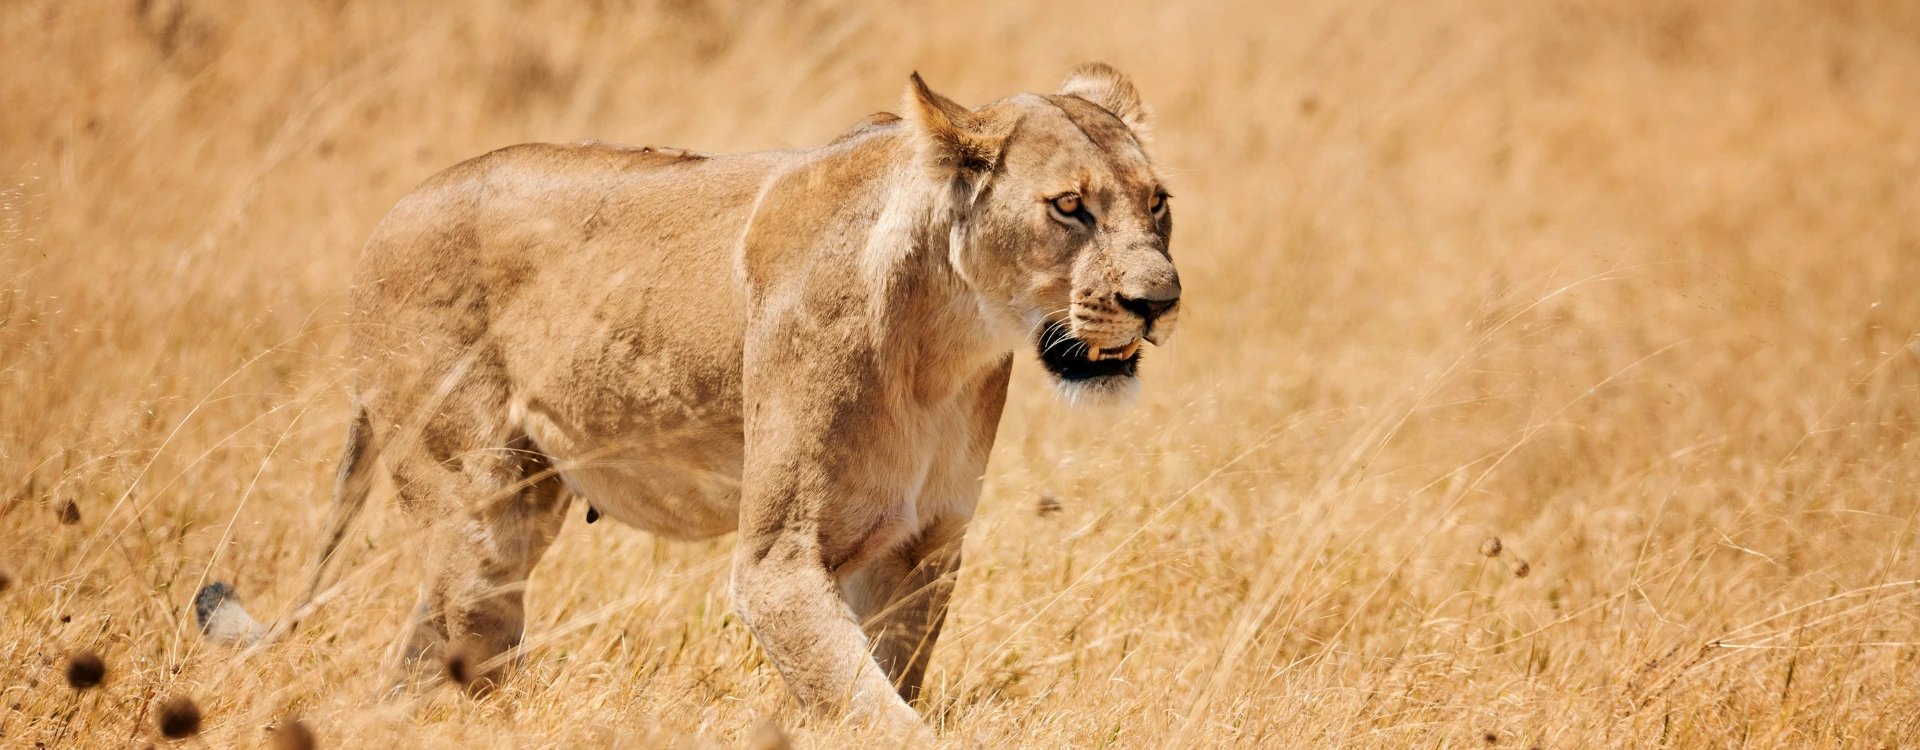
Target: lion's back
{"x": 548, "y": 225}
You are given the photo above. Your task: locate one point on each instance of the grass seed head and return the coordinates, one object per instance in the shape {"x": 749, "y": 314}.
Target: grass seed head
{"x": 86, "y": 670}
{"x": 1491, "y": 547}
{"x": 178, "y": 717}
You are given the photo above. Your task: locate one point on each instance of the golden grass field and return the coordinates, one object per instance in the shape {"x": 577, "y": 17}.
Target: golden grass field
{"x": 1632, "y": 286}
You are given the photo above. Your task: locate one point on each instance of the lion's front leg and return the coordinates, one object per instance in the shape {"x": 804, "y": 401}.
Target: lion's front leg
{"x": 789, "y": 600}
{"x": 901, "y": 600}
{"x": 821, "y": 493}
{"x": 795, "y": 612}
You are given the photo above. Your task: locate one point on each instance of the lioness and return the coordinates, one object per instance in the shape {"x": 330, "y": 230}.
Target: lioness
{"x": 810, "y": 347}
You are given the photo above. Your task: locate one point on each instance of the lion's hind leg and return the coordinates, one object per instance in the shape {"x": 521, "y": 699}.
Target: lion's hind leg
{"x": 486, "y": 518}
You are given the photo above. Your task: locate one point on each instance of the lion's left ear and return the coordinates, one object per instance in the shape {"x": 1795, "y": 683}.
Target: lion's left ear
{"x": 1111, "y": 89}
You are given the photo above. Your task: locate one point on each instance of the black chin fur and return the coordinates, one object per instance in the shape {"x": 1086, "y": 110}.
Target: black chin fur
{"x": 1066, "y": 357}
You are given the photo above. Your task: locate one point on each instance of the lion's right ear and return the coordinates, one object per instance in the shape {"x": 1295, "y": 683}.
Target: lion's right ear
{"x": 1112, "y": 90}
{"x": 956, "y": 138}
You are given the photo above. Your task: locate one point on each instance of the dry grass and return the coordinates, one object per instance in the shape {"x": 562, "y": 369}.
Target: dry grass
{"x": 1631, "y": 286}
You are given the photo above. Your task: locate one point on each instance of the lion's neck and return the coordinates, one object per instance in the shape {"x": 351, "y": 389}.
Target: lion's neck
{"x": 926, "y": 315}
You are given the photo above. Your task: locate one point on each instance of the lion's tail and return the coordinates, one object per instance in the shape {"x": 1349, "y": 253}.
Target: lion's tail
{"x": 219, "y": 614}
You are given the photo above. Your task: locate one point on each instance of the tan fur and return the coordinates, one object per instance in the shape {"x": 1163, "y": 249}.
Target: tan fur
{"x": 810, "y": 347}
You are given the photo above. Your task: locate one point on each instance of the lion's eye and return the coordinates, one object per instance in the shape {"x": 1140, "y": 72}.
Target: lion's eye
{"x": 1068, "y": 204}
{"x": 1157, "y": 204}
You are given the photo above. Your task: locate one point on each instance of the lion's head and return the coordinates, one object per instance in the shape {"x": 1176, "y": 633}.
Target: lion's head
{"x": 1061, "y": 224}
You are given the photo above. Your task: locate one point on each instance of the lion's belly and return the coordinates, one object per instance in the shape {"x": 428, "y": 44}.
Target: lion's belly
{"x": 650, "y": 435}
{"x": 685, "y": 506}
{"x": 674, "y": 482}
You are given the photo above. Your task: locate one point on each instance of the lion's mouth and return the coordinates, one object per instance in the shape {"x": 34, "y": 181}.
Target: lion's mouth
{"x": 1070, "y": 358}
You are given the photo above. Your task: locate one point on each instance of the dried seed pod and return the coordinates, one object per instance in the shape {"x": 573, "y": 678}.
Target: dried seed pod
{"x": 85, "y": 671}
{"x": 1491, "y": 547}
{"x": 178, "y": 717}
{"x": 1521, "y": 569}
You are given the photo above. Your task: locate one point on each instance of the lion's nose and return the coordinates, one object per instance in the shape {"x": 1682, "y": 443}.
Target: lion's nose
{"x": 1152, "y": 302}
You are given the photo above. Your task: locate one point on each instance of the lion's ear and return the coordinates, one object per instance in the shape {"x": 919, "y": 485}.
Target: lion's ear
{"x": 958, "y": 138}
{"x": 1111, "y": 89}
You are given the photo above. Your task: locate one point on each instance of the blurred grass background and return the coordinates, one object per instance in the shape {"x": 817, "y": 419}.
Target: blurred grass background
{"x": 1629, "y": 285}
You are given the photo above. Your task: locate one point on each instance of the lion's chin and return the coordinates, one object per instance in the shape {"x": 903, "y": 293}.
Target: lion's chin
{"x": 1107, "y": 391}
